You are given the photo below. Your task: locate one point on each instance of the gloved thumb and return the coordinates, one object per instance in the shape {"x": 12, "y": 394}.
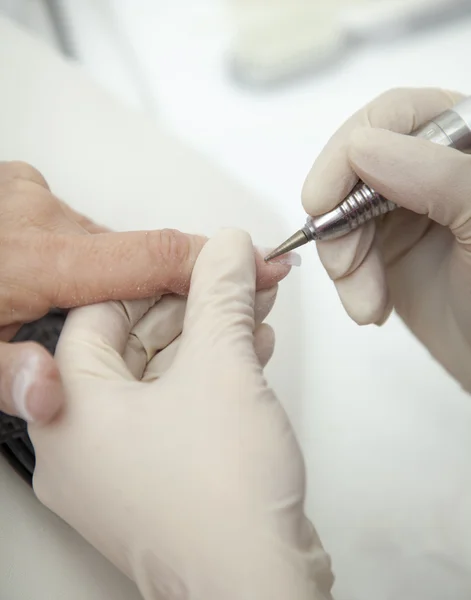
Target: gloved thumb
{"x": 220, "y": 308}
{"x": 30, "y": 383}
{"x": 416, "y": 174}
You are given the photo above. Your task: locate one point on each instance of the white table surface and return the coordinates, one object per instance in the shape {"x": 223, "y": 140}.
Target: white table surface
{"x": 386, "y": 433}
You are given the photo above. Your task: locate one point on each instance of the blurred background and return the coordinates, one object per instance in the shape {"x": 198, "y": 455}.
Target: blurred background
{"x": 218, "y": 69}
{"x": 259, "y": 86}
{"x": 277, "y": 76}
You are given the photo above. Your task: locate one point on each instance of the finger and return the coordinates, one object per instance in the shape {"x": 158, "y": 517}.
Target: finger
{"x": 332, "y": 176}
{"x": 364, "y": 292}
{"x": 125, "y": 266}
{"x": 99, "y": 334}
{"x": 8, "y": 332}
{"x": 264, "y": 302}
{"x": 220, "y": 309}
{"x": 156, "y": 330}
{"x": 428, "y": 179}
{"x": 10, "y": 170}
{"x": 162, "y": 361}
{"x": 354, "y": 264}
{"x": 343, "y": 256}
{"x": 30, "y": 384}
{"x": 264, "y": 343}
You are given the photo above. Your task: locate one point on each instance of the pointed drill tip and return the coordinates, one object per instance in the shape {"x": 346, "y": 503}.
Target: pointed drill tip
{"x": 271, "y": 256}
{"x": 293, "y": 242}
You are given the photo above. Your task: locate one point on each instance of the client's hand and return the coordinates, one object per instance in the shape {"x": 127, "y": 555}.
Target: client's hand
{"x": 181, "y": 466}
{"x": 50, "y": 259}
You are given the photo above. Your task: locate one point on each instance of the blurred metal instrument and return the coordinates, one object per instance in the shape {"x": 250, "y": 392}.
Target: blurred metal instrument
{"x": 277, "y": 43}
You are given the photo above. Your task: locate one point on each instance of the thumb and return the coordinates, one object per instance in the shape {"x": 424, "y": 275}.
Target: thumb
{"x": 416, "y": 174}
{"x": 220, "y": 307}
{"x": 30, "y": 384}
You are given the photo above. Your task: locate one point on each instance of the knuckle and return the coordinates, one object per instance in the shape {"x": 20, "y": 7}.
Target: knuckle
{"x": 173, "y": 246}
{"x": 393, "y": 94}
{"x": 172, "y": 251}
{"x": 20, "y": 187}
{"x": 22, "y": 170}
{"x": 24, "y": 203}
{"x": 19, "y": 190}
{"x": 391, "y": 110}
{"x": 46, "y": 204}
{"x": 40, "y": 201}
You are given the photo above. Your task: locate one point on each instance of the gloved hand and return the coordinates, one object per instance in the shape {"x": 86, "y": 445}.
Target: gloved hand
{"x": 49, "y": 259}
{"x": 417, "y": 260}
{"x": 181, "y": 467}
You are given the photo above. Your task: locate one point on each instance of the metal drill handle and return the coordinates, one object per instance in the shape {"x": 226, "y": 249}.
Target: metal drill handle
{"x": 452, "y": 128}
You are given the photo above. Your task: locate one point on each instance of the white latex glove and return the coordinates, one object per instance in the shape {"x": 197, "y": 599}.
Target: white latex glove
{"x": 182, "y": 468}
{"x": 417, "y": 261}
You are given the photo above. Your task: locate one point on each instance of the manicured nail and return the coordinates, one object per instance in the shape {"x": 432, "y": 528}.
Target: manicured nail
{"x": 293, "y": 259}
{"x": 22, "y": 383}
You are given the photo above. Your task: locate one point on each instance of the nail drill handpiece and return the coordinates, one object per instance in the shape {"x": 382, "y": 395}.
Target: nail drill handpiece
{"x": 452, "y": 128}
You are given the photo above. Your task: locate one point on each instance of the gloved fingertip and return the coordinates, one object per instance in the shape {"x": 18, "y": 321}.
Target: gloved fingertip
{"x": 362, "y": 316}
{"x": 37, "y": 392}
{"x": 364, "y": 293}
{"x": 385, "y": 317}
{"x": 362, "y": 310}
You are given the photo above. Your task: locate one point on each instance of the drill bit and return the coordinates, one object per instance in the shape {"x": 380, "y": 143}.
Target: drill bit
{"x": 295, "y": 241}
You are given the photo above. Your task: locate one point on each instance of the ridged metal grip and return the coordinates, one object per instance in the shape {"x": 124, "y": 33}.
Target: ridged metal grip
{"x": 359, "y": 207}
{"x": 364, "y": 204}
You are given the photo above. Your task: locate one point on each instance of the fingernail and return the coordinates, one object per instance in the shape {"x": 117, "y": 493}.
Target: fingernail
{"x": 22, "y": 383}
{"x": 293, "y": 259}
